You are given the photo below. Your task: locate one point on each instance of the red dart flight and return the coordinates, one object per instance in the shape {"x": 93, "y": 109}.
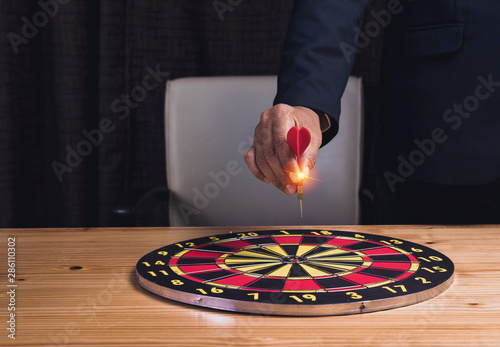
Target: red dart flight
{"x": 298, "y": 140}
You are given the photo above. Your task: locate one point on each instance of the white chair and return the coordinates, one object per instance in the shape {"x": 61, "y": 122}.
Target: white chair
{"x": 209, "y": 124}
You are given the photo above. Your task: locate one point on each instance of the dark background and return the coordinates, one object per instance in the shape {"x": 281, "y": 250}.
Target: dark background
{"x": 65, "y": 77}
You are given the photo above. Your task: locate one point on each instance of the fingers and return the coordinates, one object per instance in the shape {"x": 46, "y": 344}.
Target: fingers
{"x": 308, "y": 161}
{"x": 252, "y": 165}
{"x": 311, "y": 122}
{"x": 262, "y": 170}
{"x": 271, "y": 159}
{"x": 270, "y": 156}
{"x": 286, "y": 162}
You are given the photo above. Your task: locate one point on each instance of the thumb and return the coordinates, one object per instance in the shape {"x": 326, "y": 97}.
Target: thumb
{"x": 308, "y": 162}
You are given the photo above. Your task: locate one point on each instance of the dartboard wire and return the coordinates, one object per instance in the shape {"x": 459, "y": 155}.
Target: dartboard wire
{"x": 251, "y": 271}
{"x": 244, "y": 238}
{"x": 257, "y": 260}
{"x": 300, "y": 244}
{"x": 263, "y": 245}
{"x": 281, "y": 290}
{"x": 374, "y": 248}
{"x": 328, "y": 239}
{"x": 310, "y": 262}
{"x": 315, "y": 265}
{"x": 224, "y": 252}
{"x": 317, "y": 246}
{"x": 203, "y": 250}
{"x": 333, "y": 259}
{"x": 230, "y": 268}
{"x": 257, "y": 277}
{"x": 344, "y": 273}
{"x": 207, "y": 262}
{"x": 381, "y": 254}
{"x": 234, "y": 268}
{"x": 330, "y": 249}
{"x": 252, "y": 246}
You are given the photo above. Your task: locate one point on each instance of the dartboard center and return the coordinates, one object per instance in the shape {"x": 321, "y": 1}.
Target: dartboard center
{"x": 293, "y": 259}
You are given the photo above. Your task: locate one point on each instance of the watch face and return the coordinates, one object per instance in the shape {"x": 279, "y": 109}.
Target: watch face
{"x": 296, "y": 272}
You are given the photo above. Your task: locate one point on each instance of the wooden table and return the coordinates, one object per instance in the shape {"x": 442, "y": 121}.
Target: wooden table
{"x": 78, "y": 287}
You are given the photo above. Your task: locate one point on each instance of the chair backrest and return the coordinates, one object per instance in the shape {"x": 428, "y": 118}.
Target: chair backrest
{"x": 210, "y": 123}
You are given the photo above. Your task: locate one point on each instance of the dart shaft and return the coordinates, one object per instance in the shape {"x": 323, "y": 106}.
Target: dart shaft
{"x": 300, "y": 196}
{"x": 300, "y": 191}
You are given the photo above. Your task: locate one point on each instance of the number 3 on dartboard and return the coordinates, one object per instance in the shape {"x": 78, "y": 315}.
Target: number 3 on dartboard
{"x": 354, "y": 295}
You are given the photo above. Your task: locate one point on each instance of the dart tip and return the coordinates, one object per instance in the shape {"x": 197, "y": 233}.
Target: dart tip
{"x": 300, "y": 201}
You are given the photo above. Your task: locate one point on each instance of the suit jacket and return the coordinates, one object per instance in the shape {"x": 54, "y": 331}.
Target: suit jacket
{"x": 439, "y": 115}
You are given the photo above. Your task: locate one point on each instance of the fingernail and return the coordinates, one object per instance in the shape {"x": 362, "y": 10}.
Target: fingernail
{"x": 306, "y": 172}
{"x": 293, "y": 177}
{"x": 290, "y": 189}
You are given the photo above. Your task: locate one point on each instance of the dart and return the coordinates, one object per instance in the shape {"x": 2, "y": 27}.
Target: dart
{"x": 298, "y": 140}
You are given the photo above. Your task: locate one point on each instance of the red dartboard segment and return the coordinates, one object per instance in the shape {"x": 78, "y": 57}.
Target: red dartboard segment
{"x": 188, "y": 269}
{"x": 173, "y": 261}
{"x": 288, "y": 239}
{"x": 296, "y": 272}
{"x": 236, "y": 280}
{"x": 364, "y": 279}
{"x": 302, "y": 285}
{"x": 381, "y": 251}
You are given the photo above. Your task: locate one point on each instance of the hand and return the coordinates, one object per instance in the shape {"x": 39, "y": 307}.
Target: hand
{"x": 271, "y": 159}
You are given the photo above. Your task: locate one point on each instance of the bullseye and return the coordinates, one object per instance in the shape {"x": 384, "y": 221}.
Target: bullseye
{"x": 293, "y": 259}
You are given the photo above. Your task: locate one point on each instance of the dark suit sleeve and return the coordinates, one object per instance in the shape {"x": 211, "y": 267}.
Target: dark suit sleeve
{"x": 314, "y": 64}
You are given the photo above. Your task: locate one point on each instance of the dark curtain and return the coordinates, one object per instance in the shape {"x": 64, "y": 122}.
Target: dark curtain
{"x": 83, "y": 83}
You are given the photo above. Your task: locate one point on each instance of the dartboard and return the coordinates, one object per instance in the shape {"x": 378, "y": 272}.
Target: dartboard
{"x": 296, "y": 272}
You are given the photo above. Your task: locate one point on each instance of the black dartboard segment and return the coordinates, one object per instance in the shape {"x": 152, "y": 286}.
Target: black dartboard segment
{"x": 296, "y": 272}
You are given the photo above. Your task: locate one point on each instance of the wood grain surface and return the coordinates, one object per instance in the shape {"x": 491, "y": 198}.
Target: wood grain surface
{"x": 77, "y": 287}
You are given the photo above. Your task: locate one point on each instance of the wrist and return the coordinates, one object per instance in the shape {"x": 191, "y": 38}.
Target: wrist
{"x": 324, "y": 121}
